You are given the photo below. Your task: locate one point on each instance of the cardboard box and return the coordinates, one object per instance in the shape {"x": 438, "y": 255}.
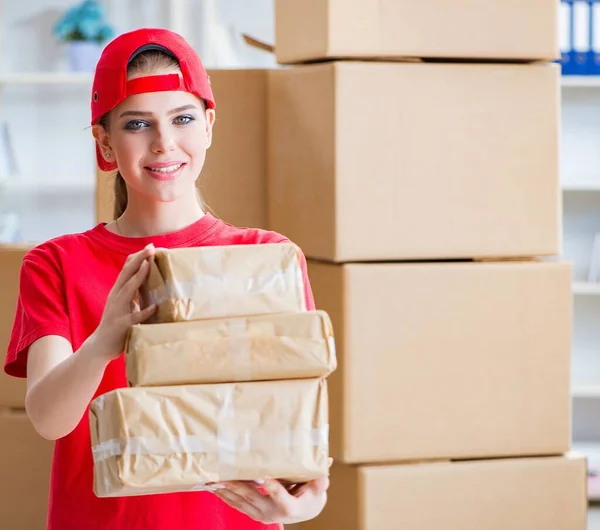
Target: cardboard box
{"x": 234, "y": 179}
{"x": 233, "y": 182}
{"x": 547, "y": 493}
{"x": 389, "y": 161}
{"x": 105, "y": 198}
{"x": 307, "y": 30}
{"x": 177, "y": 438}
{"x": 12, "y": 390}
{"x": 224, "y": 281}
{"x": 448, "y": 360}
{"x": 25, "y": 461}
{"x": 256, "y": 348}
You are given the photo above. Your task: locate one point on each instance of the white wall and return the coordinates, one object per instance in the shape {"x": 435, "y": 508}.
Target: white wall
{"x": 48, "y": 123}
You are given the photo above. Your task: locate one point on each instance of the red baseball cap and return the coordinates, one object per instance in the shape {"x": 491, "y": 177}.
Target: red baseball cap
{"x": 111, "y": 86}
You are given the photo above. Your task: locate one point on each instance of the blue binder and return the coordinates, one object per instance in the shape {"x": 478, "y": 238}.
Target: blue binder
{"x": 577, "y": 21}
{"x": 594, "y": 54}
{"x": 566, "y": 36}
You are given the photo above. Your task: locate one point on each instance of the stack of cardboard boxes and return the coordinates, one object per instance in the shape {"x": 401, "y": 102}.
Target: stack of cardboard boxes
{"x": 228, "y": 383}
{"x": 413, "y": 156}
{"x": 25, "y": 456}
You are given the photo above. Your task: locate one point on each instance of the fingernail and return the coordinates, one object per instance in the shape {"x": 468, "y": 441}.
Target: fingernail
{"x": 218, "y": 486}
{"x": 259, "y": 481}
{"x": 150, "y": 245}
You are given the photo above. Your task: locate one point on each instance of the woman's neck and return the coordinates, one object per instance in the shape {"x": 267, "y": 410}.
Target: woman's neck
{"x": 143, "y": 220}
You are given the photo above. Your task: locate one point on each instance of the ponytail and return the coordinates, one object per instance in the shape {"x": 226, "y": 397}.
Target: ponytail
{"x": 120, "y": 196}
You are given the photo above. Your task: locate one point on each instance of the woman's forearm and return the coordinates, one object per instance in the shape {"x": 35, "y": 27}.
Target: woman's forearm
{"x": 58, "y": 400}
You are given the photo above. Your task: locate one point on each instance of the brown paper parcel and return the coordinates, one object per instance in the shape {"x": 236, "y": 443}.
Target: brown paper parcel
{"x": 224, "y": 281}
{"x": 255, "y": 348}
{"x": 177, "y": 438}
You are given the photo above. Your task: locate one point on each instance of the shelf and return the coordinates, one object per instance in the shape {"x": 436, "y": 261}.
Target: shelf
{"x": 591, "y": 451}
{"x": 47, "y": 78}
{"x": 585, "y": 391}
{"x": 586, "y": 288}
{"x": 27, "y": 187}
{"x": 580, "y": 81}
{"x": 581, "y": 187}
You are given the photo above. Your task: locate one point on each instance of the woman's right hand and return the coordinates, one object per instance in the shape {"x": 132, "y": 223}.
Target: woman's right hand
{"x": 119, "y": 313}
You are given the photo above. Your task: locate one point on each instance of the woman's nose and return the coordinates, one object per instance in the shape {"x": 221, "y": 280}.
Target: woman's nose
{"x": 163, "y": 141}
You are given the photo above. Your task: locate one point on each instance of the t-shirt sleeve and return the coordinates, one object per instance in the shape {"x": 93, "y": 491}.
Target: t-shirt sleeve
{"x": 308, "y": 294}
{"x": 310, "y": 300}
{"x": 41, "y": 307}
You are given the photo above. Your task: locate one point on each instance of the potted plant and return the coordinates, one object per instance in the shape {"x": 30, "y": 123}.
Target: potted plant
{"x": 84, "y": 29}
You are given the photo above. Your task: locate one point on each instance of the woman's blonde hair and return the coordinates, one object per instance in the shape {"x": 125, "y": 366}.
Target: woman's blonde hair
{"x": 146, "y": 62}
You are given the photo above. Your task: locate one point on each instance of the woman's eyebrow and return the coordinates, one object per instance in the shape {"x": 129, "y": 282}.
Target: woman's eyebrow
{"x": 181, "y": 109}
{"x": 146, "y": 113}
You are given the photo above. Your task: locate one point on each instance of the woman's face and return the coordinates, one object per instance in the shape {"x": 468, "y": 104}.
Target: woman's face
{"x": 159, "y": 142}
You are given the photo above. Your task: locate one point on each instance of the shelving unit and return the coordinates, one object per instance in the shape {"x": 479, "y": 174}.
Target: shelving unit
{"x": 46, "y": 78}
{"x": 580, "y": 172}
{"x": 46, "y": 106}
{"x": 51, "y": 188}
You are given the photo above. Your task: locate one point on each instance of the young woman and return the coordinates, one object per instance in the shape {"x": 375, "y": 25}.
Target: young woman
{"x": 152, "y": 117}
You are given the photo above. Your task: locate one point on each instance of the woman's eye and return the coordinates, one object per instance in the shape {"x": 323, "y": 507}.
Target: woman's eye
{"x": 183, "y": 120}
{"x": 134, "y": 125}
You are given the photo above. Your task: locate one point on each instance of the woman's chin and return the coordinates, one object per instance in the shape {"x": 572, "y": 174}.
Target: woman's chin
{"x": 163, "y": 191}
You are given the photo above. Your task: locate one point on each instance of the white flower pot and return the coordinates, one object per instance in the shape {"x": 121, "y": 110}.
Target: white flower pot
{"x": 84, "y": 55}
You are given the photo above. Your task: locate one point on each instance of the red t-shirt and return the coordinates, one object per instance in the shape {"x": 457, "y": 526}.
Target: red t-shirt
{"x": 63, "y": 290}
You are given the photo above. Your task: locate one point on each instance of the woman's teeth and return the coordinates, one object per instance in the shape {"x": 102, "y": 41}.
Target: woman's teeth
{"x": 165, "y": 169}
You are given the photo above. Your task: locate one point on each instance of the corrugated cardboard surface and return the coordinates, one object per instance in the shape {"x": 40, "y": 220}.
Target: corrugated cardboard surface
{"x": 181, "y": 437}
{"x": 256, "y": 348}
{"x": 105, "y": 198}
{"x": 224, "y": 281}
{"x": 12, "y": 390}
{"x": 546, "y": 493}
{"x": 415, "y": 161}
{"x": 511, "y": 29}
{"x": 448, "y": 360}
{"x": 234, "y": 178}
{"x": 25, "y": 460}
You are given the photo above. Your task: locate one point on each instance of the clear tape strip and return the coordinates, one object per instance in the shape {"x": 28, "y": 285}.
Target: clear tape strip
{"x": 214, "y": 288}
{"x": 225, "y": 445}
{"x": 219, "y": 288}
{"x": 226, "y": 431}
{"x": 239, "y": 345}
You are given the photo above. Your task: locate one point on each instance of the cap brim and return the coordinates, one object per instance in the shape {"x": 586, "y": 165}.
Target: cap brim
{"x": 103, "y": 164}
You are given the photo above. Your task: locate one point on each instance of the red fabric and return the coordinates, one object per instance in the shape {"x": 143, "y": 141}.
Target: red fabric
{"x": 64, "y": 286}
{"x": 154, "y": 83}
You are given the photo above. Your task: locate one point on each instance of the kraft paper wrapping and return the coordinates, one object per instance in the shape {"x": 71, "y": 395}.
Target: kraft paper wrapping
{"x": 256, "y": 348}
{"x": 178, "y": 438}
{"x": 224, "y": 281}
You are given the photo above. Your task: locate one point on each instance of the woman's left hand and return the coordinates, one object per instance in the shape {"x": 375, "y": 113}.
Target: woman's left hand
{"x": 277, "y": 504}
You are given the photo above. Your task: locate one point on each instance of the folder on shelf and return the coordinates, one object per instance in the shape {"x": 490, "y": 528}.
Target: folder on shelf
{"x": 579, "y": 36}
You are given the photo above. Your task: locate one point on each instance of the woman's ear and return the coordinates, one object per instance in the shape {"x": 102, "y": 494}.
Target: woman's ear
{"x": 210, "y": 121}
{"x": 103, "y": 139}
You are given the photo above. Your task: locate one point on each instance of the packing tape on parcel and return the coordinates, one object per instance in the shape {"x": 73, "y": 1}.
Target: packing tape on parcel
{"x": 227, "y": 433}
{"x": 239, "y": 346}
{"x": 221, "y": 292}
{"x": 225, "y": 447}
